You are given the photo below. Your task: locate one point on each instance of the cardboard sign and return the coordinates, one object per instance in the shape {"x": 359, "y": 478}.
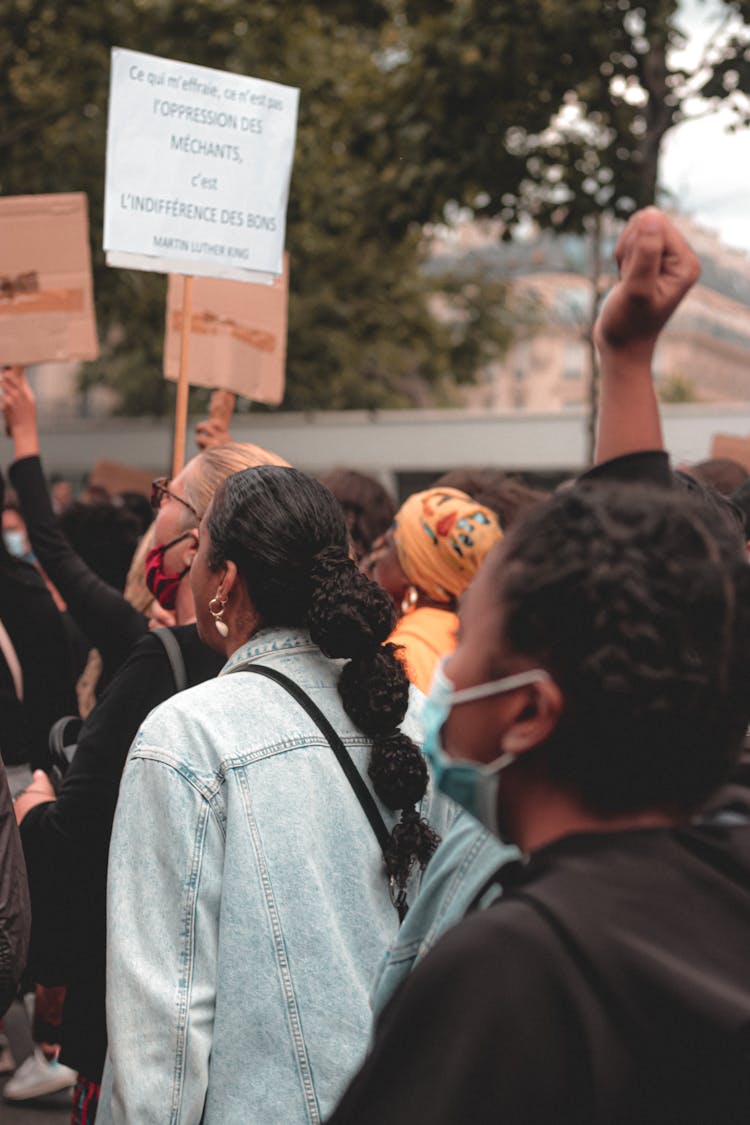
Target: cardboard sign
{"x": 198, "y": 166}
{"x": 732, "y": 446}
{"x": 46, "y": 293}
{"x": 116, "y": 477}
{"x": 237, "y": 336}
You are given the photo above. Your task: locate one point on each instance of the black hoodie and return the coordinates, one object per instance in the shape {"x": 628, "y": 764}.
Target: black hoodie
{"x": 610, "y": 984}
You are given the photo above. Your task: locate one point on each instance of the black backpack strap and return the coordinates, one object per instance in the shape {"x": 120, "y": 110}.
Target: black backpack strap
{"x": 353, "y": 776}
{"x": 174, "y": 655}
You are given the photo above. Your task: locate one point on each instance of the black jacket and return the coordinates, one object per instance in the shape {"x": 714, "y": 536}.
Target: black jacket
{"x": 610, "y": 984}
{"x": 15, "y": 911}
{"x": 110, "y": 623}
{"x": 36, "y": 629}
{"x": 66, "y": 842}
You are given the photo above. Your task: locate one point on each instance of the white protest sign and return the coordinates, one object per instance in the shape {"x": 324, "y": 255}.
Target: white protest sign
{"x": 198, "y": 166}
{"x": 121, "y": 260}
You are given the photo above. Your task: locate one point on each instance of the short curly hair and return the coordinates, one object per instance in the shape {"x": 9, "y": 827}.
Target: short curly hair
{"x": 637, "y": 601}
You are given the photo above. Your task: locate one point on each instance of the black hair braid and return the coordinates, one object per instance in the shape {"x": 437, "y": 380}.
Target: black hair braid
{"x": 344, "y": 618}
{"x": 287, "y": 535}
{"x": 350, "y": 616}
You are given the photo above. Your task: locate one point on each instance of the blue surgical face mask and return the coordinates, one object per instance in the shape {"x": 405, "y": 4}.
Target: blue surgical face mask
{"x": 474, "y": 787}
{"x": 15, "y": 543}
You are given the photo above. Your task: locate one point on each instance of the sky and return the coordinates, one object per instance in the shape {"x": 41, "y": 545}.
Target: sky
{"x": 706, "y": 168}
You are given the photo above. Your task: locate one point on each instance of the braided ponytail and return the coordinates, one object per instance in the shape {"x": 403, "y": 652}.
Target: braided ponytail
{"x": 350, "y": 617}
{"x": 287, "y": 535}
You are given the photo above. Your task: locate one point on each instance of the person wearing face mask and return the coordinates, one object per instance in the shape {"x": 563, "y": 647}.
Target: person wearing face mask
{"x": 593, "y": 709}
{"x": 106, "y": 619}
{"x": 66, "y": 839}
{"x": 15, "y": 537}
{"x": 299, "y": 820}
{"x": 657, "y": 268}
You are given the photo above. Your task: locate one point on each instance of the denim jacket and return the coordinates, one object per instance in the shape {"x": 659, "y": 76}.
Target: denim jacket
{"x": 462, "y": 865}
{"x": 248, "y": 907}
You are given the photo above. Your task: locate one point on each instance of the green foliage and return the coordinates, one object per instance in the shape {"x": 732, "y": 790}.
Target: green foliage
{"x": 406, "y": 105}
{"x": 677, "y": 388}
{"x": 480, "y": 83}
{"x": 360, "y": 330}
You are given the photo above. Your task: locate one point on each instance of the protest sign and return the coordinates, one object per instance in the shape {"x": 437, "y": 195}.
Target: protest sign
{"x": 732, "y": 446}
{"x": 198, "y": 167}
{"x": 46, "y": 293}
{"x": 116, "y": 477}
{"x": 237, "y": 336}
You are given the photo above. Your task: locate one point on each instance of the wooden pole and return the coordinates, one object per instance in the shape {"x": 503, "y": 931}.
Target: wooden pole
{"x": 183, "y": 387}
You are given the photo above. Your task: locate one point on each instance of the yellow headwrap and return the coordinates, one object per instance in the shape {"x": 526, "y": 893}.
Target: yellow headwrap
{"x": 442, "y": 536}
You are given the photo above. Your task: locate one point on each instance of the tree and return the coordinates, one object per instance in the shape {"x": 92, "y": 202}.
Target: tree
{"x": 361, "y": 333}
{"x": 535, "y": 108}
{"x": 678, "y": 388}
{"x": 602, "y": 90}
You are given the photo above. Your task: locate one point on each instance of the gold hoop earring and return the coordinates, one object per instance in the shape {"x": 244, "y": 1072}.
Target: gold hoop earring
{"x": 221, "y": 626}
{"x": 409, "y": 601}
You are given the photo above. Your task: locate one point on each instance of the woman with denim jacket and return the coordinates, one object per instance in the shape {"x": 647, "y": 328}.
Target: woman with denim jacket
{"x": 249, "y": 898}
{"x": 69, "y": 834}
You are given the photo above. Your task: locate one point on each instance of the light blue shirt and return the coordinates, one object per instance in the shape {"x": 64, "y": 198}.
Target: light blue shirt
{"x": 458, "y": 872}
{"x": 248, "y": 908}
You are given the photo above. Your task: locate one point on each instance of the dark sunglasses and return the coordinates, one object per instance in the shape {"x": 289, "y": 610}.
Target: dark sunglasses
{"x": 160, "y": 488}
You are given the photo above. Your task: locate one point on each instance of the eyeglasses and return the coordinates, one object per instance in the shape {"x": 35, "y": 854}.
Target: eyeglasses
{"x": 160, "y": 488}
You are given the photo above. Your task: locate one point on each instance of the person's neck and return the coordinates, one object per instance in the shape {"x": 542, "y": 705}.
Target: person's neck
{"x": 425, "y": 602}
{"x": 540, "y": 814}
{"x": 184, "y": 608}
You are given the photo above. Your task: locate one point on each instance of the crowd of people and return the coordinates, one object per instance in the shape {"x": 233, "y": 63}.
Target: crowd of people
{"x": 319, "y": 808}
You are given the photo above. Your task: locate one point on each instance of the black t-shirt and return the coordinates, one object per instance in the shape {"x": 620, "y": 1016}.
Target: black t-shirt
{"x": 610, "y": 984}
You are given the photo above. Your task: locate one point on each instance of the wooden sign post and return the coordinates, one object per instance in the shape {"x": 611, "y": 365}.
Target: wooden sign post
{"x": 183, "y": 386}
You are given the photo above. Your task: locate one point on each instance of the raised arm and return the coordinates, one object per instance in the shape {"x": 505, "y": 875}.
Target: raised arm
{"x": 107, "y": 619}
{"x": 657, "y": 268}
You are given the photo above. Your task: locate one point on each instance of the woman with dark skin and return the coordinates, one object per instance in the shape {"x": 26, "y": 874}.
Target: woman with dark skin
{"x": 233, "y": 796}
{"x": 596, "y": 700}
{"x": 425, "y": 561}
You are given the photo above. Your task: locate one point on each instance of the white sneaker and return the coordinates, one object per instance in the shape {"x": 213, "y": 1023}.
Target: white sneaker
{"x": 37, "y": 1076}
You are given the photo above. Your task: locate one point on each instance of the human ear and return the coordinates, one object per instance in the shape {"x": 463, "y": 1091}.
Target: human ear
{"x": 227, "y": 576}
{"x": 536, "y": 713}
{"x": 188, "y": 550}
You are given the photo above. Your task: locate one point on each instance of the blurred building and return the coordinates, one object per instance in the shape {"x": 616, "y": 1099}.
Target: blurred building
{"x": 56, "y": 386}
{"x": 704, "y": 353}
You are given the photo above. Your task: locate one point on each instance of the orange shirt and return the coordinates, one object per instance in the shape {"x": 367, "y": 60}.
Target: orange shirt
{"x": 425, "y": 636}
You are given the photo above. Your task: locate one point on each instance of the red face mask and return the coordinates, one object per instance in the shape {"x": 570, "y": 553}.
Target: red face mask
{"x": 164, "y": 586}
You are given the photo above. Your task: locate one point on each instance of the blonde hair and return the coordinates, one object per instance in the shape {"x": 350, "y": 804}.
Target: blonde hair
{"x": 214, "y": 465}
